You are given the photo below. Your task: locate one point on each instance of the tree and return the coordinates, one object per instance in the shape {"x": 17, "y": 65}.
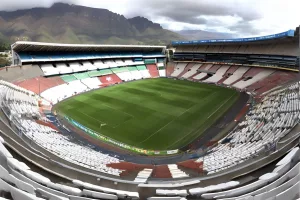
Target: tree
{"x": 4, "y": 62}
{"x": 4, "y": 46}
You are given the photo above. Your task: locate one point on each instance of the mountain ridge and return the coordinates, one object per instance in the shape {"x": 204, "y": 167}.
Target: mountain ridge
{"x": 80, "y": 24}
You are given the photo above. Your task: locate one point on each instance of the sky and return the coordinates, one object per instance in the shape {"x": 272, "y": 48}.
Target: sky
{"x": 240, "y": 17}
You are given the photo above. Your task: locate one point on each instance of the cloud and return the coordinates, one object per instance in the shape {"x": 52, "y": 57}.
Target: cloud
{"x": 12, "y": 5}
{"x": 245, "y": 28}
{"x": 242, "y": 17}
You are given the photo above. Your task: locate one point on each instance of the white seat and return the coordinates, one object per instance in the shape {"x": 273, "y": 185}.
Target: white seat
{"x": 134, "y": 195}
{"x": 21, "y": 195}
{"x": 166, "y": 198}
{"x": 36, "y": 185}
{"x": 49, "y": 195}
{"x": 98, "y": 194}
{"x": 293, "y": 154}
{"x": 290, "y": 193}
{"x": 36, "y": 177}
{"x": 212, "y": 188}
{"x": 79, "y": 198}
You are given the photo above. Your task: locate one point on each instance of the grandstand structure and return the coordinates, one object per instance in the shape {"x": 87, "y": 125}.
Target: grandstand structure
{"x": 257, "y": 158}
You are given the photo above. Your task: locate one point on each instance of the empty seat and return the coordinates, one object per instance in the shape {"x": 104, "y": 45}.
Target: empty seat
{"x": 101, "y": 195}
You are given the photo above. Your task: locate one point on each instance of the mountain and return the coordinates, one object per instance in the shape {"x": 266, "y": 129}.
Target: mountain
{"x": 66, "y": 23}
{"x": 204, "y": 35}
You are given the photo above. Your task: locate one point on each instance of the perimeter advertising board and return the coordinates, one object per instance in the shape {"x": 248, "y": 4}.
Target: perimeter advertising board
{"x": 117, "y": 143}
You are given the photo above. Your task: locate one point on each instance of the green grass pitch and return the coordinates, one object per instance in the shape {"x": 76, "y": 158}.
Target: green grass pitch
{"x": 154, "y": 114}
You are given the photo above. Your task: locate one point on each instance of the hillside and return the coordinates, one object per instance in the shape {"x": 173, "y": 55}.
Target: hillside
{"x": 78, "y": 24}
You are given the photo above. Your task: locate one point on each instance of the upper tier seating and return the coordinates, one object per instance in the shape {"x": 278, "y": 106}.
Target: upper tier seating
{"x": 128, "y": 62}
{"x": 110, "y": 63}
{"x": 289, "y": 48}
{"x": 100, "y": 65}
{"x": 119, "y": 62}
{"x": 77, "y": 67}
{"x": 89, "y": 66}
{"x": 63, "y": 68}
{"x": 49, "y": 69}
{"x": 58, "y": 56}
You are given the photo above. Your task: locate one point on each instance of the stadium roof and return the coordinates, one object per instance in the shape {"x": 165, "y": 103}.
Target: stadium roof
{"x": 261, "y": 39}
{"x": 22, "y": 46}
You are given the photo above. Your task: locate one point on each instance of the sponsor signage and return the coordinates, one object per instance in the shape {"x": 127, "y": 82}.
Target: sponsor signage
{"x": 97, "y": 135}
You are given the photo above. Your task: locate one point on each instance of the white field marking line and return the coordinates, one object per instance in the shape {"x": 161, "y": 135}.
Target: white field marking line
{"x": 131, "y": 116}
{"x": 220, "y": 106}
{"x": 172, "y": 121}
{"x": 93, "y": 118}
{"x": 196, "y": 128}
{"x": 117, "y": 110}
{"x": 165, "y": 125}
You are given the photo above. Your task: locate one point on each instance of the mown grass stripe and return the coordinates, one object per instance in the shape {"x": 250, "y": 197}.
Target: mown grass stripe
{"x": 154, "y": 114}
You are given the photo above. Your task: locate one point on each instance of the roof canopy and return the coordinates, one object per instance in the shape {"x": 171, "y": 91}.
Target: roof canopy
{"x": 22, "y": 46}
{"x": 279, "y": 36}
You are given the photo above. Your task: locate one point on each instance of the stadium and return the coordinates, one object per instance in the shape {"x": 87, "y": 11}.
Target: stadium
{"x": 201, "y": 119}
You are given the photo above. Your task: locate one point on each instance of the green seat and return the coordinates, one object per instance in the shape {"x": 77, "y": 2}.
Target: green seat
{"x": 132, "y": 68}
{"x": 105, "y": 72}
{"x": 68, "y": 78}
{"x": 149, "y": 61}
{"x": 141, "y": 67}
{"x": 119, "y": 69}
{"x": 80, "y": 76}
{"x": 100, "y": 72}
{"x": 160, "y": 60}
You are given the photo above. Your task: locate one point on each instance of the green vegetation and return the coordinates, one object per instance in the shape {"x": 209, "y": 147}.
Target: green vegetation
{"x": 4, "y": 46}
{"x": 4, "y": 62}
{"x": 154, "y": 114}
